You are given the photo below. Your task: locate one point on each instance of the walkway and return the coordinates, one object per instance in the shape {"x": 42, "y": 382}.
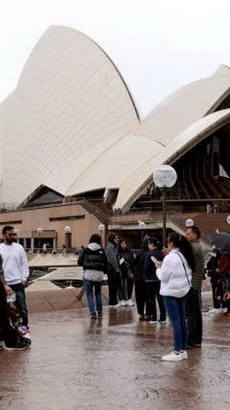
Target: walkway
{"x": 114, "y": 363}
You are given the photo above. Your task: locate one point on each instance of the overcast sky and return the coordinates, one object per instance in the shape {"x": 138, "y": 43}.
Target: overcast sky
{"x": 158, "y": 45}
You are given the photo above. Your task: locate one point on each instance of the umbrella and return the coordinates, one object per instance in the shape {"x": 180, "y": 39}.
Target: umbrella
{"x": 221, "y": 241}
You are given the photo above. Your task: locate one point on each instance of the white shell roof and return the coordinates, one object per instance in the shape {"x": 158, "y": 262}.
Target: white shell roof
{"x": 69, "y": 99}
{"x": 71, "y": 123}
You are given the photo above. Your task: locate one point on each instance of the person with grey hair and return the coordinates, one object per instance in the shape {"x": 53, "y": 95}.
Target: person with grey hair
{"x": 114, "y": 273}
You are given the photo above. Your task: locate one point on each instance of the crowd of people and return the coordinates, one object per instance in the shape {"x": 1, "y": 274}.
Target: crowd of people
{"x": 170, "y": 278}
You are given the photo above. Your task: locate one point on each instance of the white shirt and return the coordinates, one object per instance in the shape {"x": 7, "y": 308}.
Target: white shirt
{"x": 14, "y": 263}
{"x": 172, "y": 275}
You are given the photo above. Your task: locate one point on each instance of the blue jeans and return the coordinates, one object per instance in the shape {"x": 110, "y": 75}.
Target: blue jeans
{"x": 89, "y": 288}
{"x": 176, "y": 312}
{"x": 19, "y": 289}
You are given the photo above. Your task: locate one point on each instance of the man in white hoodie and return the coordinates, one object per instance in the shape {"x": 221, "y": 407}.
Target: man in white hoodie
{"x": 15, "y": 272}
{"x": 94, "y": 262}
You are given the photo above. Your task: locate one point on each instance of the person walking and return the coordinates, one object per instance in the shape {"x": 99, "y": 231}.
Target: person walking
{"x": 113, "y": 271}
{"x": 94, "y": 262}
{"x": 193, "y": 299}
{"x": 16, "y": 272}
{"x": 175, "y": 275}
{"x": 127, "y": 272}
{"x": 152, "y": 282}
{"x": 139, "y": 281}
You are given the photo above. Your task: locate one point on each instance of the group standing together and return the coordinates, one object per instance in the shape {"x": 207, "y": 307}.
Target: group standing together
{"x": 173, "y": 281}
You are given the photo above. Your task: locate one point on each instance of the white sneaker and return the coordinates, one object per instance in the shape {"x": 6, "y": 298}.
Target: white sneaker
{"x": 215, "y": 310}
{"x": 24, "y": 332}
{"x": 130, "y": 302}
{"x": 172, "y": 357}
{"x": 153, "y": 322}
{"x": 122, "y": 303}
{"x": 184, "y": 354}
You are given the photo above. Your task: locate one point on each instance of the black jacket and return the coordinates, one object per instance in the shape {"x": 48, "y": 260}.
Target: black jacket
{"x": 93, "y": 259}
{"x": 149, "y": 266}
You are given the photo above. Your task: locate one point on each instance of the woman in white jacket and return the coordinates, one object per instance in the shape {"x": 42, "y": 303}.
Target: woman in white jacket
{"x": 175, "y": 275}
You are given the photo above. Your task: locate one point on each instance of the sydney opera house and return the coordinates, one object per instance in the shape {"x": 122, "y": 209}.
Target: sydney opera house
{"x": 76, "y": 156}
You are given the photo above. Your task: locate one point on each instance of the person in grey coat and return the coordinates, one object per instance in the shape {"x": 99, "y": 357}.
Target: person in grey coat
{"x": 113, "y": 270}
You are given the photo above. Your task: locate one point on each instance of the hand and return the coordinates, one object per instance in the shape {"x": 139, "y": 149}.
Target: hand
{"x": 8, "y": 290}
{"x": 158, "y": 264}
{"x": 23, "y": 282}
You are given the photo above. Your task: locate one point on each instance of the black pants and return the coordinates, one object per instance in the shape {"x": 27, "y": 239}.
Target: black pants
{"x": 140, "y": 295}
{"x": 7, "y": 333}
{"x": 194, "y": 317}
{"x": 153, "y": 294}
{"x": 114, "y": 282}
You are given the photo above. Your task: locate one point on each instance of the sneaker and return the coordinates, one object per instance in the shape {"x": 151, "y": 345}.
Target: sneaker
{"x": 162, "y": 322}
{"x": 24, "y": 332}
{"x": 153, "y": 322}
{"x": 122, "y": 303}
{"x": 130, "y": 302}
{"x": 21, "y": 344}
{"x": 184, "y": 354}
{"x": 93, "y": 316}
{"x": 172, "y": 357}
{"x": 100, "y": 314}
{"x": 216, "y": 310}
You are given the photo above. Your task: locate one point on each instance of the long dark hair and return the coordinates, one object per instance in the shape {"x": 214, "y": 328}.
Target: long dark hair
{"x": 184, "y": 247}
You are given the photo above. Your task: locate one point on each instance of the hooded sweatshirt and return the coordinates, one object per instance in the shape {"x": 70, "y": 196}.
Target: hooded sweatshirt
{"x": 94, "y": 262}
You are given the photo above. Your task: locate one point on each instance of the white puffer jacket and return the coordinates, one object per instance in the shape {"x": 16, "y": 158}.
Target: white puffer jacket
{"x": 172, "y": 275}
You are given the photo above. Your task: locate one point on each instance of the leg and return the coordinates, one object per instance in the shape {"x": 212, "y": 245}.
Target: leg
{"x": 21, "y": 302}
{"x": 160, "y": 301}
{"x": 184, "y": 330}
{"x": 98, "y": 297}
{"x": 112, "y": 289}
{"x": 88, "y": 284}
{"x": 172, "y": 308}
{"x": 140, "y": 296}
{"x": 130, "y": 287}
{"x": 194, "y": 317}
{"x": 151, "y": 301}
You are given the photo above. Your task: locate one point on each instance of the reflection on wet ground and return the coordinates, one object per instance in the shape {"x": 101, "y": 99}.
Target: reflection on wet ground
{"x": 114, "y": 363}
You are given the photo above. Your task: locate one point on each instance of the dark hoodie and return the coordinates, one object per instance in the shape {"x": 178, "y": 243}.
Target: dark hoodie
{"x": 140, "y": 260}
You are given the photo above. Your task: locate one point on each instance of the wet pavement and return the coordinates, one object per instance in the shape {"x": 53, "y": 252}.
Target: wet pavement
{"x": 115, "y": 363}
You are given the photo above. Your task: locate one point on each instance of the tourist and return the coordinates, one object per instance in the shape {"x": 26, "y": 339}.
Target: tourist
{"x": 16, "y": 272}
{"x": 94, "y": 262}
{"x": 175, "y": 274}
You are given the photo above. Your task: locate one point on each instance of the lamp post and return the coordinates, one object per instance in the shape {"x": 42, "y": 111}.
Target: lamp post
{"x": 67, "y": 230}
{"x": 141, "y": 226}
{"x": 39, "y": 231}
{"x": 189, "y": 222}
{"x": 164, "y": 178}
{"x": 101, "y": 229}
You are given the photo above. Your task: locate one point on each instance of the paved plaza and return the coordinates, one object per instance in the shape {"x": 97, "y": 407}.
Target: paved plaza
{"x": 115, "y": 363}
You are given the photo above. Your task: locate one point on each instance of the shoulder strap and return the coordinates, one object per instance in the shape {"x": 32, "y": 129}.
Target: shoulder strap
{"x": 184, "y": 268}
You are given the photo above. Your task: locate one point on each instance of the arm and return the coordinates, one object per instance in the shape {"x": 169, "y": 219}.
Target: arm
{"x": 24, "y": 266}
{"x": 164, "y": 273}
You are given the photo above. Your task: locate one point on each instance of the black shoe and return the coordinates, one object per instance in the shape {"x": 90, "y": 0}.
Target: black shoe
{"x": 100, "y": 314}
{"x": 93, "y": 316}
{"x": 21, "y": 344}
